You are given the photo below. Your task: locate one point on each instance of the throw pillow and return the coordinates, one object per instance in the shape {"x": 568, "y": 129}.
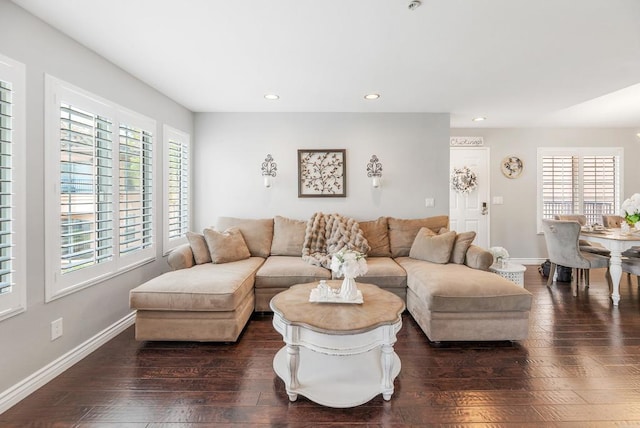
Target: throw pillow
{"x": 430, "y": 247}
{"x": 257, "y": 233}
{"x": 377, "y": 234}
{"x": 227, "y": 246}
{"x": 199, "y": 248}
{"x": 403, "y": 232}
{"x": 288, "y": 236}
{"x": 461, "y": 245}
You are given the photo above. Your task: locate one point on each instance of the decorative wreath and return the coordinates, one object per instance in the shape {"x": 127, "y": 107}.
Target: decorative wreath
{"x": 463, "y": 180}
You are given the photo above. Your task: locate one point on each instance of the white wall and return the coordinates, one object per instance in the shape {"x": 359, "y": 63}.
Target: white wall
{"x": 230, "y": 147}
{"x": 25, "y": 339}
{"x": 513, "y": 225}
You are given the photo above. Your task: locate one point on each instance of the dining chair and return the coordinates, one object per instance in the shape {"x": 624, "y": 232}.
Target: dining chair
{"x": 561, "y": 237}
{"x": 591, "y": 247}
{"x": 612, "y": 221}
{"x": 632, "y": 267}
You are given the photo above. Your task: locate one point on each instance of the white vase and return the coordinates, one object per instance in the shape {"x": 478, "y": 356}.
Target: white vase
{"x": 625, "y": 229}
{"x": 348, "y": 289}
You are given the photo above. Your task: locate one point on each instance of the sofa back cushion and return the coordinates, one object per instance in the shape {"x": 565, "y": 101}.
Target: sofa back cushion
{"x": 257, "y": 233}
{"x": 199, "y": 248}
{"x": 227, "y": 246}
{"x": 377, "y": 234}
{"x": 402, "y": 232}
{"x": 432, "y": 247}
{"x": 288, "y": 236}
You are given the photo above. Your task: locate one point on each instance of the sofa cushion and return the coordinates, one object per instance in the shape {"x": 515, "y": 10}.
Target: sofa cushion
{"x": 457, "y": 288}
{"x": 257, "y": 233}
{"x": 199, "y": 248}
{"x": 460, "y": 246}
{"x": 402, "y": 232}
{"x": 227, "y": 246}
{"x": 432, "y": 247}
{"x": 383, "y": 272}
{"x": 206, "y": 287}
{"x": 288, "y": 236}
{"x": 377, "y": 234}
{"x": 285, "y": 271}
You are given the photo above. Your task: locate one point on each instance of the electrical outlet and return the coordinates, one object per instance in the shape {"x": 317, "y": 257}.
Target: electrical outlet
{"x": 430, "y": 202}
{"x": 56, "y": 329}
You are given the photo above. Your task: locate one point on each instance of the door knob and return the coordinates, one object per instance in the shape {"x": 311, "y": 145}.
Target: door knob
{"x": 485, "y": 210}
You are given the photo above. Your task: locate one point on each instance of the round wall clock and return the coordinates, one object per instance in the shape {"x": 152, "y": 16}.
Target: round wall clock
{"x": 511, "y": 166}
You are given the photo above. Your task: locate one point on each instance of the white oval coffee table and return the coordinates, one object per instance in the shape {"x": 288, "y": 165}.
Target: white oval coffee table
{"x": 338, "y": 355}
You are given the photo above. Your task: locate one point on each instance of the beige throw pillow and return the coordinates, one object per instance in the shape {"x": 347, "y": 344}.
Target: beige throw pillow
{"x": 288, "y": 236}
{"x": 461, "y": 245}
{"x": 199, "y": 248}
{"x": 257, "y": 233}
{"x": 227, "y": 246}
{"x": 377, "y": 234}
{"x": 402, "y": 232}
{"x": 430, "y": 247}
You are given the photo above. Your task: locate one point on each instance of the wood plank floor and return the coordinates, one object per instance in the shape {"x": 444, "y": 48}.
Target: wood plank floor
{"x": 580, "y": 367}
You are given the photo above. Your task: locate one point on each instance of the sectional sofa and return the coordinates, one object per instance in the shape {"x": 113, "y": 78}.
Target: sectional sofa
{"x": 219, "y": 279}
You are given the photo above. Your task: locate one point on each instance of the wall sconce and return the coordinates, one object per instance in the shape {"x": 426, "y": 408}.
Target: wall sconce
{"x": 374, "y": 171}
{"x": 269, "y": 168}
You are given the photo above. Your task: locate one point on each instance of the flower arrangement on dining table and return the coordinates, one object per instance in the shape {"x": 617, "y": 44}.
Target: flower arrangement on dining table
{"x": 500, "y": 255}
{"x": 349, "y": 263}
{"x": 630, "y": 209}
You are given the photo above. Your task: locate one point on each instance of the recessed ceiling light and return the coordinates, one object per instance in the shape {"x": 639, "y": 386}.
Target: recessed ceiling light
{"x": 271, "y": 97}
{"x": 638, "y": 134}
{"x": 372, "y": 96}
{"x": 479, "y": 119}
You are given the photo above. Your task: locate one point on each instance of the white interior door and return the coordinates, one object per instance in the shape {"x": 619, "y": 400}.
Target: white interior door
{"x": 470, "y": 211}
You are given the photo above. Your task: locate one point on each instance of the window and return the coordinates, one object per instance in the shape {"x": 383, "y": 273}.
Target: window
{"x": 99, "y": 157}
{"x": 177, "y": 169}
{"x": 12, "y": 197}
{"x": 579, "y": 181}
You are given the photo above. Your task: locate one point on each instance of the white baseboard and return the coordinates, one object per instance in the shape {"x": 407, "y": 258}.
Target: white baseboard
{"x": 30, "y": 384}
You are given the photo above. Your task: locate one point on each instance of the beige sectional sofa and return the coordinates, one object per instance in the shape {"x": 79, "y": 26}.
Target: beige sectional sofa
{"x": 442, "y": 277}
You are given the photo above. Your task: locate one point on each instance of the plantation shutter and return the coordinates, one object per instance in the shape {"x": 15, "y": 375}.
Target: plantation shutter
{"x": 600, "y": 186}
{"x": 86, "y": 188}
{"x": 560, "y": 187}
{"x": 6, "y": 189}
{"x": 178, "y": 189}
{"x": 136, "y": 216}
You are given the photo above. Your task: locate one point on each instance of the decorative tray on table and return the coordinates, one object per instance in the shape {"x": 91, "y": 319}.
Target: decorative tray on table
{"x": 325, "y": 294}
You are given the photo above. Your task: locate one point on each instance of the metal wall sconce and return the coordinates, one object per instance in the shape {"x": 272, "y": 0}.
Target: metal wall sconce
{"x": 374, "y": 171}
{"x": 269, "y": 168}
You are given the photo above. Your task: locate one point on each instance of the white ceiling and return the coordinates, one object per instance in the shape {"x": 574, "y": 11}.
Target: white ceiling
{"x": 517, "y": 62}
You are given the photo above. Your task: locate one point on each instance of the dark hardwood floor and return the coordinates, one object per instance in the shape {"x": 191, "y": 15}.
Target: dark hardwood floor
{"x": 580, "y": 367}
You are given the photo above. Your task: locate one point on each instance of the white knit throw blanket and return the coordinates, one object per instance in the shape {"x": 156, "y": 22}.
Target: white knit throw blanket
{"x": 327, "y": 234}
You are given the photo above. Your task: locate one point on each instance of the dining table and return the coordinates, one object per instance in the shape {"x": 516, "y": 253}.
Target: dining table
{"x": 616, "y": 242}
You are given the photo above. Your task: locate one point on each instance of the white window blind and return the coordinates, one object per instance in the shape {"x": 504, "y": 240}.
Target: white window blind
{"x": 579, "y": 181}
{"x": 178, "y": 195}
{"x": 176, "y": 183}
{"x": 86, "y": 189}
{"x": 560, "y": 184}
{"x": 6, "y": 189}
{"x": 100, "y": 159}
{"x": 601, "y": 189}
{"x": 12, "y": 195}
{"x": 136, "y": 189}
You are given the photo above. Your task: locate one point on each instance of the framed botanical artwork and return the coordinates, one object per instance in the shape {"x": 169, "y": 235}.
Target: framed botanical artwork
{"x": 322, "y": 173}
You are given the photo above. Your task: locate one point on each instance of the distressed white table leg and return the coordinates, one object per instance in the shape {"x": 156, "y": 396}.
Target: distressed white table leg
{"x": 386, "y": 359}
{"x": 615, "y": 268}
{"x": 293, "y": 361}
